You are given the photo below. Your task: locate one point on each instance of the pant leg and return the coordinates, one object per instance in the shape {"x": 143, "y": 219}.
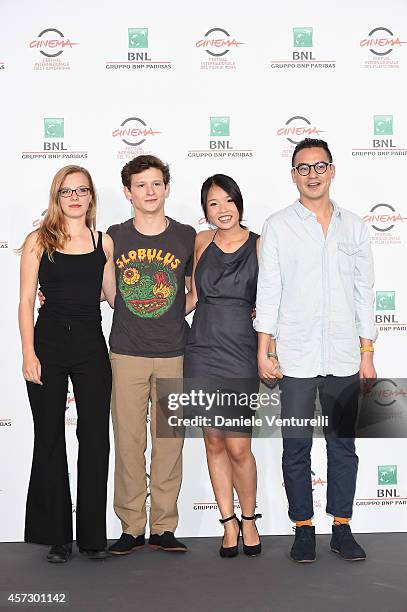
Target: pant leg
{"x": 130, "y": 399}
{"x": 166, "y": 457}
{"x": 49, "y": 507}
{"x": 92, "y": 384}
{"x": 298, "y": 400}
{"x": 339, "y": 402}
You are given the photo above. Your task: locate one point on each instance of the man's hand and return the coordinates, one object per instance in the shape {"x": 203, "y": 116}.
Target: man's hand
{"x": 269, "y": 368}
{"x": 32, "y": 368}
{"x": 367, "y": 372}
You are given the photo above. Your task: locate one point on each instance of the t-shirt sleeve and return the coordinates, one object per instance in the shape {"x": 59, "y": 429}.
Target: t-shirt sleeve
{"x": 110, "y": 231}
{"x": 191, "y": 243}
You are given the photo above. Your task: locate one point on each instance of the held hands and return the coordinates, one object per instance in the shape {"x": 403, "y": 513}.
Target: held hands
{"x": 269, "y": 368}
{"x": 41, "y": 298}
{"x": 32, "y": 368}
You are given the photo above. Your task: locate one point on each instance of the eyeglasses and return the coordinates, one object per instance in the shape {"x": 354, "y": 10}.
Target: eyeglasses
{"x": 65, "y": 192}
{"x": 319, "y": 167}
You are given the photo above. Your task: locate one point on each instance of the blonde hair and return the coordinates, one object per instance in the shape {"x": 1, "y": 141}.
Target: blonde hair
{"x": 52, "y": 235}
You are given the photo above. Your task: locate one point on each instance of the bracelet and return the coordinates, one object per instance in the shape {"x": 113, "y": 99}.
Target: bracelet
{"x": 366, "y": 349}
{"x": 272, "y": 354}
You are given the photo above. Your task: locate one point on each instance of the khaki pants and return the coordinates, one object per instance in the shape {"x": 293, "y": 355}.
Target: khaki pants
{"x": 134, "y": 383}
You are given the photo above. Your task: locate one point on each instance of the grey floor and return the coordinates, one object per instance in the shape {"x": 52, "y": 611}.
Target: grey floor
{"x": 200, "y": 580}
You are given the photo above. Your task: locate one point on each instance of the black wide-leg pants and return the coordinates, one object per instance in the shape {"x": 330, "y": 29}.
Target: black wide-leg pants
{"x": 76, "y": 349}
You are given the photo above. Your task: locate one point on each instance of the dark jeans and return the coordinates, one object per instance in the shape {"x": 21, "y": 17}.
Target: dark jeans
{"x": 339, "y": 402}
{"x": 78, "y": 350}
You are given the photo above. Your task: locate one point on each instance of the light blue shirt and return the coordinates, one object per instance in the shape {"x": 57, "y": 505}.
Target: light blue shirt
{"x": 315, "y": 293}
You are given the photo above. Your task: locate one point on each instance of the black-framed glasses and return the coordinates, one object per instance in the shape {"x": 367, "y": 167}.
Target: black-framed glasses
{"x": 319, "y": 167}
{"x": 66, "y": 192}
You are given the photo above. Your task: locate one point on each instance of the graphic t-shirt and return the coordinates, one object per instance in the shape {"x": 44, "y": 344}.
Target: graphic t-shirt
{"x": 149, "y": 310}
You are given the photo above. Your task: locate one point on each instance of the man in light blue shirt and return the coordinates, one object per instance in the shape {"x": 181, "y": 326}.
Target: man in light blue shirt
{"x": 315, "y": 303}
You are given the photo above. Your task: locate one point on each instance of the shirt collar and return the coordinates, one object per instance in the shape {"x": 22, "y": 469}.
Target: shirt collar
{"x": 304, "y": 212}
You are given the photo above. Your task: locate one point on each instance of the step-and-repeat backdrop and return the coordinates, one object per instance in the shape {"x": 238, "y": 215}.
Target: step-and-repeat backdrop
{"x": 209, "y": 87}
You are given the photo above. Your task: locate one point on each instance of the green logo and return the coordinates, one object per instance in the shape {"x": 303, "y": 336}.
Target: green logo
{"x": 220, "y": 126}
{"x": 302, "y": 37}
{"x": 138, "y": 38}
{"x": 53, "y": 128}
{"x": 383, "y": 125}
{"x": 385, "y": 300}
{"x": 148, "y": 287}
{"x": 387, "y": 474}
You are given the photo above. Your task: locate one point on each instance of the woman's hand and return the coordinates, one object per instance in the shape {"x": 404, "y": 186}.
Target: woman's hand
{"x": 32, "y": 368}
{"x": 269, "y": 368}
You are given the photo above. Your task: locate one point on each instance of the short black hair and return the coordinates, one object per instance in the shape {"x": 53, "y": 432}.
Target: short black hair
{"x": 229, "y": 186}
{"x": 144, "y": 162}
{"x": 310, "y": 143}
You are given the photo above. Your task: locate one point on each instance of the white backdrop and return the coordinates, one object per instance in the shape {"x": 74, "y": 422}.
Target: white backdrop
{"x": 156, "y": 72}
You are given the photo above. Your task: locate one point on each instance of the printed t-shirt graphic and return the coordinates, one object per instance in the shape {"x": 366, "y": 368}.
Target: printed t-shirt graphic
{"x": 147, "y": 284}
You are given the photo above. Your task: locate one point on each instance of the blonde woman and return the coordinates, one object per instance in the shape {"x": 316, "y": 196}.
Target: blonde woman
{"x": 71, "y": 262}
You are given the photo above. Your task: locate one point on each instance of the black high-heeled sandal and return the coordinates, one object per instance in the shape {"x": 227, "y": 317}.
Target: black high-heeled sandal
{"x": 230, "y": 551}
{"x": 251, "y": 551}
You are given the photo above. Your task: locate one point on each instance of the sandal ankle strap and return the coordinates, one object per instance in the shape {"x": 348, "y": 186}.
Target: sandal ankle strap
{"x": 229, "y": 518}
{"x": 251, "y": 518}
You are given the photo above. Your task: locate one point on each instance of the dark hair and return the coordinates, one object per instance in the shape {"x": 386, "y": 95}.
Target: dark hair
{"x": 227, "y": 184}
{"x": 141, "y": 163}
{"x": 310, "y": 143}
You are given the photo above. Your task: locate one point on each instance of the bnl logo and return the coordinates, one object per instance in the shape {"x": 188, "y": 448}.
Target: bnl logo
{"x": 54, "y": 128}
{"x": 387, "y": 475}
{"x": 385, "y": 301}
{"x": 383, "y": 126}
{"x": 302, "y": 38}
{"x": 138, "y": 39}
{"x": 219, "y": 128}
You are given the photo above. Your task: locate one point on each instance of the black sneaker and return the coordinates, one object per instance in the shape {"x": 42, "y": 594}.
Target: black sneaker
{"x": 166, "y": 541}
{"x": 343, "y": 543}
{"x": 126, "y": 544}
{"x": 94, "y": 554}
{"x": 303, "y": 549}
{"x": 59, "y": 553}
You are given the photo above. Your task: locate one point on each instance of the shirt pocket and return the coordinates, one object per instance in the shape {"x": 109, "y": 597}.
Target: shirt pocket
{"x": 347, "y": 257}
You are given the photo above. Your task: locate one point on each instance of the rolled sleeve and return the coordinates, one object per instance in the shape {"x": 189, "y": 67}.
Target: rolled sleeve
{"x": 269, "y": 284}
{"x": 363, "y": 289}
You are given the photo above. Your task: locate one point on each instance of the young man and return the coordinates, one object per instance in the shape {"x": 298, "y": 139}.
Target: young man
{"x": 153, "y": 259}
{"x": 315, "y": 297}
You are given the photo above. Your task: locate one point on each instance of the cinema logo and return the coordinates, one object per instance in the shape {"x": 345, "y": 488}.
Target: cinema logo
{"x": 383, "y": 143}
{"x": 381, "y": 47}
{"x": 54, "y": 145}
{"x": 387, "y": 491}
{"x": 133, "y": 136}
{"x": 219, "y": 49}
{"x": 5, "y": 422}
{"x": 318, "y": 488}
{"x": 385, "y": 222}
{"x": 139, "y": 55}
{"x": 3, "y": 244}
{"x": 301, "y": 56}
{"x": 70, "y": 419}
{"x": 385, "y": 392}
{"x": 386, "y": 314}
{"x": 2, "y": 66}
{"x": 52, "y": 44}
{"x": 294, "y": 130}
{"x": 220, "y": 144}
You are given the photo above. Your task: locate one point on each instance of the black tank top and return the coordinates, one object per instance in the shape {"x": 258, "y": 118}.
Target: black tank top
{"x": 72, "y": 284}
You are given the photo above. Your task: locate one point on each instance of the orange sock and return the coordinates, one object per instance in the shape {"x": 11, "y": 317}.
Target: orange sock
{"x": 339, "y": 520}
{"x": 302, "y": 523}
